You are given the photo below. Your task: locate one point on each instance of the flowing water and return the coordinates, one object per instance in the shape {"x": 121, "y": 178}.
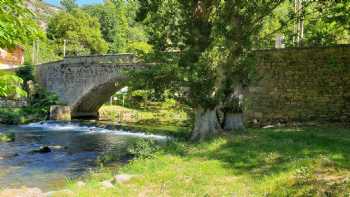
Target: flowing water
{"x": 75, "y": 149}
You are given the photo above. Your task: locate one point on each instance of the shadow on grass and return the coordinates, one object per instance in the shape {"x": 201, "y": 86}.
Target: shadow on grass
{"x": 180, "y": 132}
{"x": 267, "y": 151}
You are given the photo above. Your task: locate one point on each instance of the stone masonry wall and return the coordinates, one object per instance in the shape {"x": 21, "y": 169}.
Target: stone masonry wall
{"x": 300, "y": 85}
{"x": 12, "y": 103}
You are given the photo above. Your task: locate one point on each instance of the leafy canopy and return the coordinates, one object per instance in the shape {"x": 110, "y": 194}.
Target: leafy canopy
{"x": 11, "y": 86}
{"x": 81, "y": 31}
{"x": 16, "y": 24}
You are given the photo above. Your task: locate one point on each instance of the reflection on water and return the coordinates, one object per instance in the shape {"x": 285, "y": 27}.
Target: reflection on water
{"x": 74, "y": 151}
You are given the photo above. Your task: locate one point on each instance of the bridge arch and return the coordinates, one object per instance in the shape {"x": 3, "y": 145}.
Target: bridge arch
{"x": 85, "y": 83}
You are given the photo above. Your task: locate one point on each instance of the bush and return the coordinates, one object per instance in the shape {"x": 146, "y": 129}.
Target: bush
{"x": 8, "y": 137}
{"x": 41, "y": 102}
{"x": 13, "y": 116}
{"x": 144, "y": 148}
{"x": 26, "y": 73}
{"x": 11, "y": 86}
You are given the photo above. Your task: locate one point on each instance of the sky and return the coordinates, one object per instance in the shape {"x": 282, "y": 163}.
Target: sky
{"x": 80, "y": 2}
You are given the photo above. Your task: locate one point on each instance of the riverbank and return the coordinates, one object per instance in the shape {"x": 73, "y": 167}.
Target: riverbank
{"x": 312, "y": 161}
{"x": 293, "y": 161}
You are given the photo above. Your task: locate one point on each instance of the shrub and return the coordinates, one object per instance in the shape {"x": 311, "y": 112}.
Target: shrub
{"x": 11, "y": 86}
{"x": 144, "y": 148}
{"x": 26, "y": 73}
{"x": 9, "y": 137}
{"x": 41, "y": 102}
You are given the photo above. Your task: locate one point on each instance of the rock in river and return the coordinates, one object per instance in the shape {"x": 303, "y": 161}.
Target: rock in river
{"x": 42, "y": 150}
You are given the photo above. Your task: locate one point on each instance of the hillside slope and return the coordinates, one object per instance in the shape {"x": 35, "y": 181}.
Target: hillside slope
{"x": 42, "y": 11}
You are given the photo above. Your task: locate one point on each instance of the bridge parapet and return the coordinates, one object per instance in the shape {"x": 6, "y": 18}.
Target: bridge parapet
{"x": 126, "y": 58}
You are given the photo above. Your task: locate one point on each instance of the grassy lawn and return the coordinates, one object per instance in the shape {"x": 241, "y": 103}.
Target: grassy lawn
{"x": 261, "y": 162}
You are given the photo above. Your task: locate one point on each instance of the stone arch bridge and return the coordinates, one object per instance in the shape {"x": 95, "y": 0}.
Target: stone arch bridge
{"x": 85, "y": 83}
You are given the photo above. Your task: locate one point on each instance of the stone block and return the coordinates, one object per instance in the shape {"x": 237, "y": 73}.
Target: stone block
{"x": 60, "y": 113}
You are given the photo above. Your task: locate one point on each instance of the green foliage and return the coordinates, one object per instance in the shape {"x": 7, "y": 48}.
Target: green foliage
{"x": 325, "y": 23}
{"x": 37, "y": 110}
{"x": 311, "y": 161}
{"x": 81, "y": 31}
{"x": 16, "y": 24}
{"x": 139, "y": 48}
{"x": 41, "y": 102}
{"x": 118, "y": 26}
{"x": 49, "y": 50}
{"x": 7, "y": 137}
{"x": 136, "y": 98}
{"x": 144, "y": 149}
{"x": 109, "y": 157}
{"x": 190, "y": 75}
{"x": 164, "y": 21}
{"x": 11, "y": 86}
{"x": 108, "y": 18}
{"x": 160, "y": 78}
{"x": 69, "y": 5}
{"x": 14, "y": 116}
{"x": 26, "y": 73}
{"x": 169, "y": 104}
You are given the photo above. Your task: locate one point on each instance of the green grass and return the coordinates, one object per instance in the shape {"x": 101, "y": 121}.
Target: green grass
{"x": 261, "y": 162}
{"x": 155, "y": 120}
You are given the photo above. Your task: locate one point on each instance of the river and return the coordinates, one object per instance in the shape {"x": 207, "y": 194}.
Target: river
{"x": 75, "y": 149}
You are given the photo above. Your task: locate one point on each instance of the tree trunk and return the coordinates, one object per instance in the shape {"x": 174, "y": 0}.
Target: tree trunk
{"x": 233, "y": 115}
{"x": 233, "y": 121}
{"x": 206, "y": 124}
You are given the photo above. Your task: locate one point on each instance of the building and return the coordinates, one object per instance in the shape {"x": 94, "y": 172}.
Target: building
{"x": 11, "y": 58}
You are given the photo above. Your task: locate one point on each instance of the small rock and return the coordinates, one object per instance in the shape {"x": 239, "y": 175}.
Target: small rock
{"x": 23, "y": 192}
{"x": 65, "y": 192}
{"x": 42, "y": 150}
{"x": 81, "y": 184}
{"x": 123, "y": 178}
{"x": 107, "y": 184}
{"x": 268, "y": 126}
{"x": 57, "y": 147}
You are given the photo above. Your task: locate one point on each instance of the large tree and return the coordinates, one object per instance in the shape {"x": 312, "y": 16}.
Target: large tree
{"x": 214, "y": 40}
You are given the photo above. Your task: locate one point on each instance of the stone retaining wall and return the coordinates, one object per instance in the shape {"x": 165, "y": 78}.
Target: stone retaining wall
{"x": 300, "y": 84}
{"x": 12, "y": 103}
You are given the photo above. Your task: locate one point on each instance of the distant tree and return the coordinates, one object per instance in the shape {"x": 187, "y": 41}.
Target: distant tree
{"x": 69, "y": 5}
{"x": 118, "y": 26}
{"x": 107, "y": 16}
{"x": 16, "y": 24}
{"x": 323, "y": 23}
{"x": 81, "y": 31}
